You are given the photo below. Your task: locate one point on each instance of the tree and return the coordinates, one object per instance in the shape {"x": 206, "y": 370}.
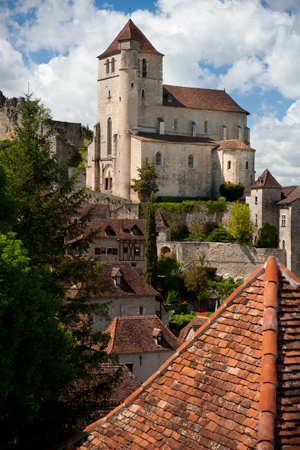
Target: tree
{"x": 268, "y": 237}
{"x": 146, "y": 184}
{"x": 171, "y": 275}
{"x": 231, "y": 191}
{"x": 150, "y": 274}
{"x": 240, "y": 225}
{"x": 195, "y": 279}
{"x": 43, "y": 204}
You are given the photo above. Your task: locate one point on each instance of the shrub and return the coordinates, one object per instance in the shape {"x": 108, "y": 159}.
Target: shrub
{"x": 268, "y": 237}
{"x": 209, "y": 226}
{"x": 231, "y": 191}
{"x": 219, "y": 234}
{"x": 172, "y": 297}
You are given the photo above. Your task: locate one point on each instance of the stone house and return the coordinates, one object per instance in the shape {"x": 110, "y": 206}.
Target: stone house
{"x": 197, "y": 138}
{"x": 143, "y": 343}
{"x": 125, "y": 292}
{"x": 233, "y": 385}
{"x": 279, "y": 206}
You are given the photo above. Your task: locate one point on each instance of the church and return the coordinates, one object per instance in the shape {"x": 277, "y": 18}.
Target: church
{"x": 197, "y": 138}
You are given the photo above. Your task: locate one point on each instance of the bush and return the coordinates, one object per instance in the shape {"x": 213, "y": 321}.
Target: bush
{"x": 172, "y": 297}
{"x": 179, "y": 232}
{"x": 268, "y": 237}
{"x": 231, "y": 191}
{"x": 219, "y": 234}
{"x": 209, "y": 226}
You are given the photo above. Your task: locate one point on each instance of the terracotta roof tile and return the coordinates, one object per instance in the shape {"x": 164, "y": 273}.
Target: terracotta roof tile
{"x": 130, "y": 32}
{"x": 199, "y": 98}
{"x": 266, "y": 180}
{"x": 191, "y": 327}
{"x": 218, "y": 389}
{"x": 291, "y": 197}
{"x": 155, "y": 137}
{"x": 234, "y": 144}
{"x": 118, "y": 228}
{"x": 160, "y": 220}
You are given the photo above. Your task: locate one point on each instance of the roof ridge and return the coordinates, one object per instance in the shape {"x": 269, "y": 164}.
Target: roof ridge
{"x": 267, "y": 402}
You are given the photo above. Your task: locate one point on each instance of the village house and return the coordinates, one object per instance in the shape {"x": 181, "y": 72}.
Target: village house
{"x": 233, "y": 385}
{"x": 143, "y": 343}
{"x": 197, "y": 138}
{"x": 125, "y": 292}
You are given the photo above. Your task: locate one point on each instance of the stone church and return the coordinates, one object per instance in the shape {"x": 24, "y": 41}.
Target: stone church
{"x": 197, "y": 138}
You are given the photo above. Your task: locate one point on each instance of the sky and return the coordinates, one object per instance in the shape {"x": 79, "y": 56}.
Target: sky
{"x": 250, "y": 48}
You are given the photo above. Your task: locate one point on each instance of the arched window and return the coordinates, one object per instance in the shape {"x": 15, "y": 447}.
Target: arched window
{"x": 223, "y": 132}
{"x": 239, "y": 132}
{"x": 175, "y": 125}
{"x": 141, "y": 310}
{"x": 107, "y": 66}
{"x": 158, "y": 159}
{"x": 283, "y": 244}
{"x": 113, "y": 64}
{"x": 206, "y": 127}
{"x": 190, "y": 161}
{"x": 193, "y": 124}
{"x": 143, "y": 93}
{"x": 109, "y": 136}
{"x": 228, "y": 165}
{"x": 144, "y": 68}
{"x": 247, "y": 165}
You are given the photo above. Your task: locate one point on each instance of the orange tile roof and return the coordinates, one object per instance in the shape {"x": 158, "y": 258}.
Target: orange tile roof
{"x": 234, "y": 144}
{"x": 130, "y": 32}
{"x": 160, "y": 221}
{"x": 266, "y": 180}
{"x": 122, "y": 228}
{"x": 234, "y": 385}
{"x": 155, "y": 137}
{"x": 199, "y": 98}
{"x": 136, "y": 335}
{"x": 291, "y": 196}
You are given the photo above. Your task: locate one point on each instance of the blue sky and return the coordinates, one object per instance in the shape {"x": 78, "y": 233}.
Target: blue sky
{"x": 249, "y": 47}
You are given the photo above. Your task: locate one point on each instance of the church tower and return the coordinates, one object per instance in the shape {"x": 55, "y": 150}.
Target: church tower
{"x": 129, "y": 91}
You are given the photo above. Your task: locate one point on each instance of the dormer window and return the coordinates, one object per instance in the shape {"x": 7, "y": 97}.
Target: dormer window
{"x": 136, "y": 231}
{"x": 117, "y": 276}
{"x": 157, "y": 334}
{"x": 170, "y": 98}
{"x": 110, "y": 231}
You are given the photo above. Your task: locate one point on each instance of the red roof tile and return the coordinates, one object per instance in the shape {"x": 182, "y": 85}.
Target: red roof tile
{"x": 160, "y": 221}
{"x": 199, "y": 98}
{"x": 130, "y": 32}
{"x": 118, "y": 228}
{"x": 291, "y": 197}
{"x": 234, "y": 144}
{"x": 218, "y": 389}
{"x": 266, "y": 180}
{"x": 155, "y": 137}
{"x": 137, "y": 334}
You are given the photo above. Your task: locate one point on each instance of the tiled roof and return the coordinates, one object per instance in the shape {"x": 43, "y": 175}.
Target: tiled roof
{"x": 155, "y": 137}
{"x": 234, "y": 144}
{"x": 266, "y": 180}
{"x": 130, "y": 32}
{"x": 234, "y": 385}
{"x": 193, "y": 326}
{"x": 132, "y": 283}
{"x": 199, "y": 98}
{"x": 122, "y": 228}
{"x": 291, "y": 197}
{"x": 286, "y": 191}
{"x": 137, "y": 335}
{"x": 160, "y": 220}
{"x": 96, "y": 209}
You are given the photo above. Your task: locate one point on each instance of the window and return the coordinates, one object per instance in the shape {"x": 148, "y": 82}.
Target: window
{"x": 247, "y": 165}
{"x": 193, "y": 128}
{"x": 109, "y": 95}
{"x": 228, "y": 165}
{"x": 136, "y": 231}
{"x": 190, "y": 162}
{"x": 118, "y": 280}
{"x": 206, "y": 127}
{"x": 283, "y": 220}
{"x": 107, "y": 66}
{"x": 247, "y": 135}
{"x": 256, "y": 200}
{"x": 141, "y": 310}
{"x": 239, "y": 132}
{"x": 109, "y": 136}
{"x": 159, "y": 339}
{"x": 256, "y": 220}
{"x": 158, "y": 159}
{"x": 115, "y": 251}
{"x": 175, "y": 125}
{"x": 143, "y": 93}
{"x": 137, "y": 251}
{"x": 132, "y": 85}
{"x": 113, "y": 64}
{"x": 110, "y": 231}
{"x": 130, "y": 366}
{"x": 97, "y": 250}
{"x": 283, "y": 244}
{"x": 109, "y": 251}
{"x": 161, "y": 125}
{"x": 144, "y": 68}
{"x": 170, "y": 98}
{"x": 103, "y": 251}
{"x": 223, "y": 132}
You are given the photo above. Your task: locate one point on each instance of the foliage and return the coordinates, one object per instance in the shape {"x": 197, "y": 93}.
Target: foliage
{"x": 231, "y": 191}
{"x": 6, "y": 203}
{"x": 172, "y": 297}
{"x": 178, "y": 321}
{"x": 209, "y": 226}
{"x": 146, "y": 184}
{"x": 223, "y": 288}
{"x": 150, "y": 273}
{"x": 66, "y": 388}
{"x": 89, "y": 133}
{"x": 268, "y": 237}
{"x": 170, "y": 274}
{"x": 217, "y": 206}
{"x": 171, "y": 199}
{"x": 240, "y": 225}
{"x": 195, "y": 279}
{"x": 219, "y": 234}
{"x": 180, "y": 232}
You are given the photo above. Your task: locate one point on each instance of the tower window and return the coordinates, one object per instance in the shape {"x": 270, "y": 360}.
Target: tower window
{"x": 223, "y": 132}
{"x": 283, "y": 220}
{"x": 283, "y": 244}
{"x": 107, "y": 66}
{"x": 143, "y": 93}
{"x": 109, "y": 136}
{"x": 247, "y": 165}
{"x": 255, "y": 200}
{"x": 158, "y": 159}
{"x": 228, "y": 165}
{"x": 190, "y": 162}
{"x": 144, "y": 68}
{"x": 206, "y": 127}
{"x": 113, "y": 64}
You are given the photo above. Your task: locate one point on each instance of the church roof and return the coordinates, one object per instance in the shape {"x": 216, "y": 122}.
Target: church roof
{"x": 199, "y": 98}
{"x": 234, "y": 385}
{"x": 156, "y": 137}
{"x": 234, "y": 144}
{"x": 130, "y": 32}
{"x": 266, "y": 180}
{"x": 137, "y": 334}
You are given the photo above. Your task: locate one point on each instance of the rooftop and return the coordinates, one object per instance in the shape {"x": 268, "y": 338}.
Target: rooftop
{"x": 190, "y": 329}
{"x": 233, "y": 144}
{"x": 234, "y": 385}
{"x": 266, "y": 180}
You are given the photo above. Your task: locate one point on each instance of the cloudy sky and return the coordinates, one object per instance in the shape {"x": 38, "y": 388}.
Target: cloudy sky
{"x": 249, "y": 47}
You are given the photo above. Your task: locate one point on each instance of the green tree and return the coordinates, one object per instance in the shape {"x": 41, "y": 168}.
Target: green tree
{"x": 43, "y": 204}
{"x": 231, "y": 191}
{"x": 268, "y": 237}
{"x": 240, "y": 226}
{"x": 151, "y": 247}
{"x": 146, "y": 184}
{"x": 195, "y": 279}
{"x": 170, "y": 275}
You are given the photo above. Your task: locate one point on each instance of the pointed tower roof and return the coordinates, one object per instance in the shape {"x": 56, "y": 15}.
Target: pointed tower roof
{"x": 130, "y": 32}
{"x": 234, "y": 385}
{"x": 266, "y": 180}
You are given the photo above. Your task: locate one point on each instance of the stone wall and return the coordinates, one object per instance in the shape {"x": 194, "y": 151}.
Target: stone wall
{"x": 237, "y": 261}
